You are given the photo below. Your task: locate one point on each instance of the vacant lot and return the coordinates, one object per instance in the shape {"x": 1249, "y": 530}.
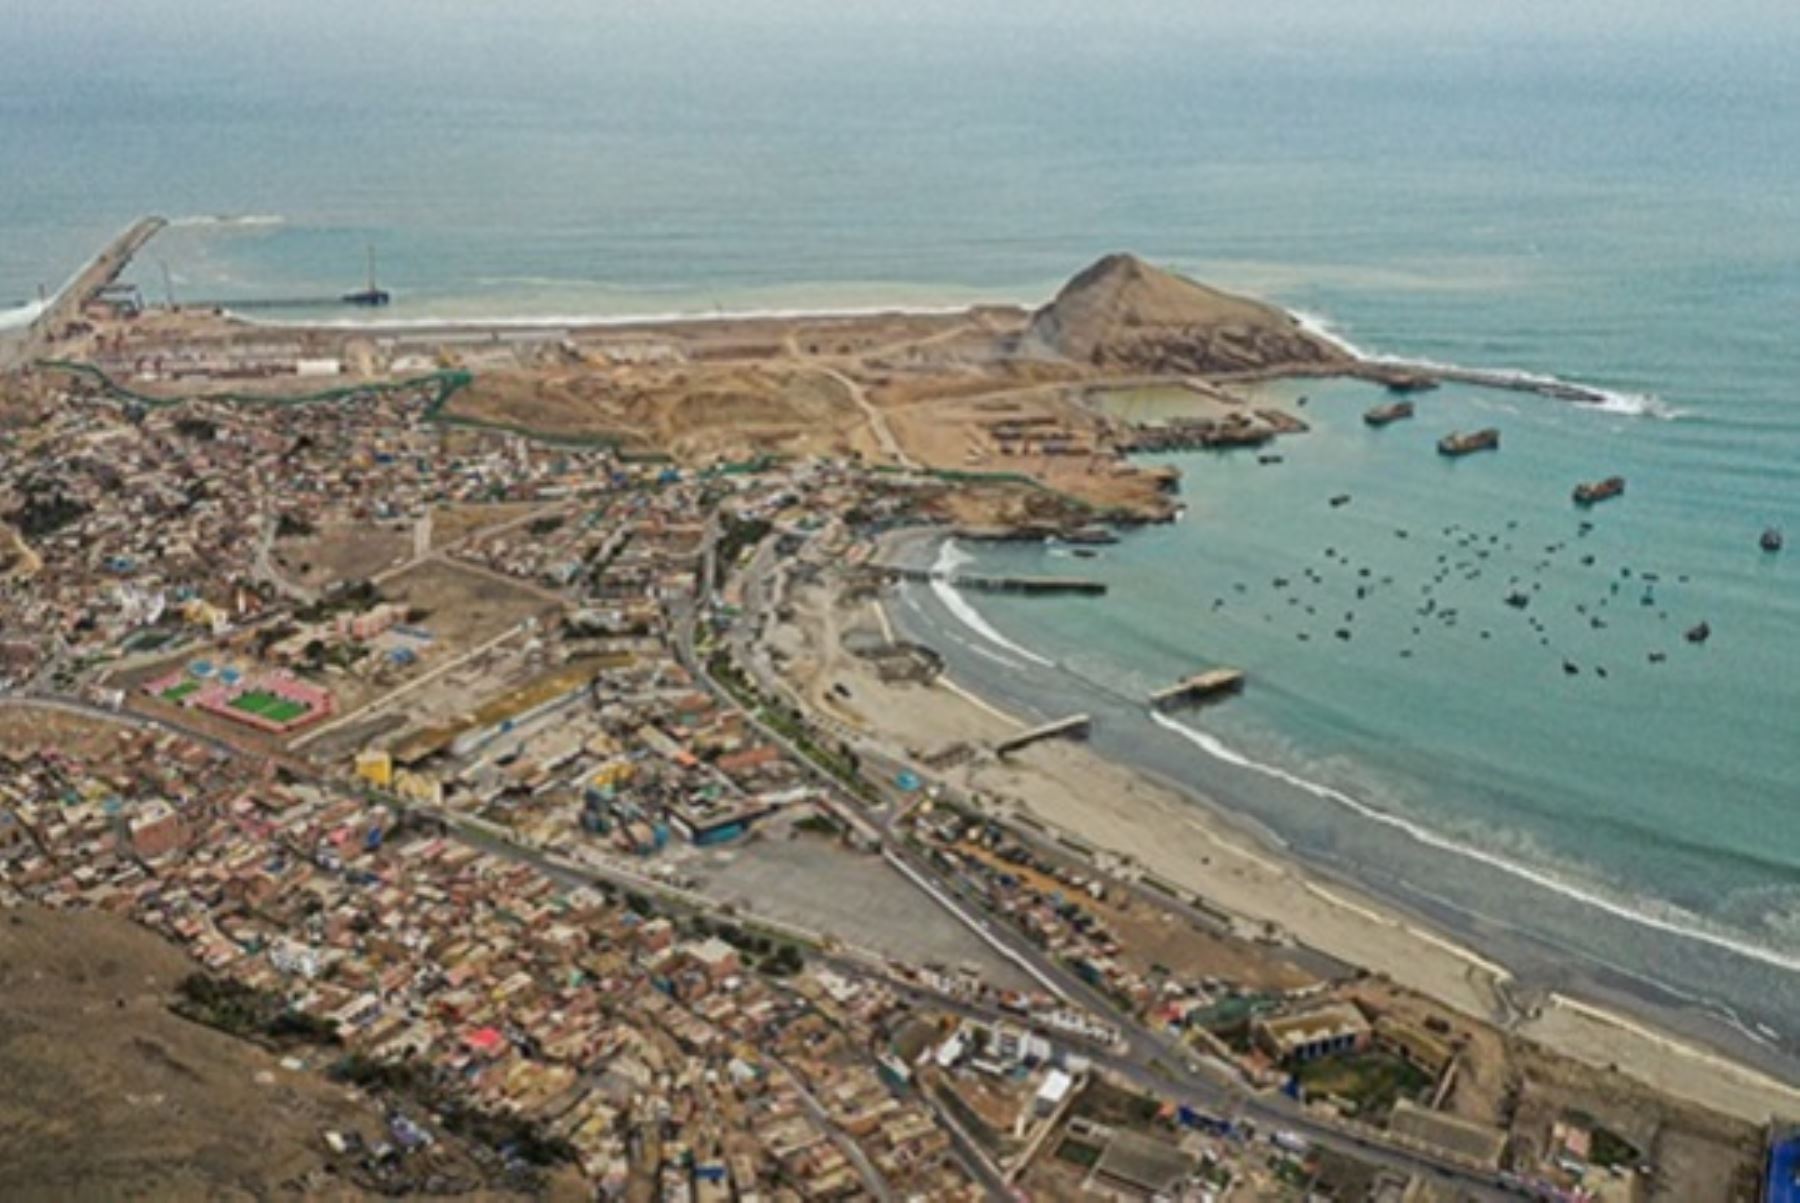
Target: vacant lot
{"x": 29, "y": 728}
{"x": 451, "y": 524}
{"x": 341, "y": 551}
{"x": 464, "y": 606}
{"x": 812, "y": 881}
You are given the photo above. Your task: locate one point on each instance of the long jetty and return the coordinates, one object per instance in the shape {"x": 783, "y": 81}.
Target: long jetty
{"x": 996, "y": 584}
{"x": 1075, "y": 725}
{"x": 1200, "y": 687}
{"x": 101, "y": 273}
{"x": 1411, "y": 377}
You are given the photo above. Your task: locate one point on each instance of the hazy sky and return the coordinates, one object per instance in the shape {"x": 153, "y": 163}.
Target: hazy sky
{"x": 111, "y": 20}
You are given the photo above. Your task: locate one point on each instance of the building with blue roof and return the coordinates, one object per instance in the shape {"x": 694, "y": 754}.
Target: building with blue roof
{"x": 1783, "y": 1185}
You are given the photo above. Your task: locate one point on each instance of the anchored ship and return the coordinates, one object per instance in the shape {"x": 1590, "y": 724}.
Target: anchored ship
{"x": 1468, "y": 444}
{"x": 1393, "y": 411}
{"x": 371, "y": 296}
{"x": 1589, "y": 492}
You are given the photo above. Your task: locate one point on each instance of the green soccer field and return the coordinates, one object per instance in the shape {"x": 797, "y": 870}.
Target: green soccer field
{"x": 175, "y": 693}
{"x": 267, "y": 705}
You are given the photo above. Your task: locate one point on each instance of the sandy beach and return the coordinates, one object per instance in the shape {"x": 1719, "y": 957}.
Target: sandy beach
{"x": 1156, "y": 827}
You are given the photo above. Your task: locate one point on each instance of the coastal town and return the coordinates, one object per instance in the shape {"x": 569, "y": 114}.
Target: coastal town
{"x": 497, "y": 725}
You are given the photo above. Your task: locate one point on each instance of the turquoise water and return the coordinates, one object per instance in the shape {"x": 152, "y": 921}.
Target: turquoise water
{"x": 1619, "y": 206}
{"x": 1407, "y": 723}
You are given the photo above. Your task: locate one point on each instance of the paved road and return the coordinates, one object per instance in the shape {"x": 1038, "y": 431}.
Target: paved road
{"x": 262, "y": 566}
{"x": 1154, "y": 1060}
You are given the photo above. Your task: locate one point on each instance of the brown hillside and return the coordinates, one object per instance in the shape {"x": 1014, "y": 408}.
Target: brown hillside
{"x": 1124, "y": 315}
{"x": 106, "y": 1094}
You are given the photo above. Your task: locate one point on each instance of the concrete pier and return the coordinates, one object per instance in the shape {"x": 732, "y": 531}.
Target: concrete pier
{"x": 1213, "y": 683}
{"x": 101, "y": 273}
{"x": 996, "y": 584}
{"x": 1075, "y": 725}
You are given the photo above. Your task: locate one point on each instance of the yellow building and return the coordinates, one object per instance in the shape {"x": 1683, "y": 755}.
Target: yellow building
{"x": 612, "y": 774}
{"x": 376, "y": 767}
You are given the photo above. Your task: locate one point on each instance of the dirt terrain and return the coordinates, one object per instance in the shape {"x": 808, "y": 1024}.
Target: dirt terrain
{"x": 986, "y": 392}
{"x": 992, "y": 391}
{"x": 695, "y": 412}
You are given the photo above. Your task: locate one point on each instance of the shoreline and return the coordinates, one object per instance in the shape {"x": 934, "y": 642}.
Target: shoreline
{"x": 1168, "y": 822}
{"x": 1400, "y": 372}
{"x": 585, "y": 322}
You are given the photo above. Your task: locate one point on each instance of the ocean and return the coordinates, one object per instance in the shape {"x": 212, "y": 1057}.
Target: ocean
{"x": 1616, "y": 207}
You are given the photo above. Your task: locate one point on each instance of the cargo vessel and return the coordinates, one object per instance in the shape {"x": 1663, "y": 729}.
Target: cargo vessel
{"x": 1468, "y": 444}
{"x": 1393, "y": 411}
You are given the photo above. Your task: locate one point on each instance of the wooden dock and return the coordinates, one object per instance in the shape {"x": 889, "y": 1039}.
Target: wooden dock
{"x": 1213, "y": 683}
{"x": 1074, "y": 725}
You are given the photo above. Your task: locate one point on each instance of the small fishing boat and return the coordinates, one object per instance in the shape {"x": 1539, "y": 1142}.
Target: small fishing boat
{"x": 1590, "y": 492}
{"x": 1771, "y": 539}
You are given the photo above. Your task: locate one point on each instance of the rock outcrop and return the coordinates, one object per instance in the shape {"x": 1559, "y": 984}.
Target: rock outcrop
{"x": 1122, "y": 315}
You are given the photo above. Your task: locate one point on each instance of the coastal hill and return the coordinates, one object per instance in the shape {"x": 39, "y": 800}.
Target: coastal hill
{"x": 1124, "y": 315}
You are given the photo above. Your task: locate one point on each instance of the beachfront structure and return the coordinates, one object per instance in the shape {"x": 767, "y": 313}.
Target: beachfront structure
{"x": 1320, "y": 1032}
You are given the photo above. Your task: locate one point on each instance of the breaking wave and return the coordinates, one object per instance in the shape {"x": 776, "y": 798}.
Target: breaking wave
{"x": 245, "y": 220}
{"x": 950, "y": 557}
{"x": 1219, "y": 750}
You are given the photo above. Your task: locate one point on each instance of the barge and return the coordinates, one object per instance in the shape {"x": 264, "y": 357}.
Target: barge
{"x": 1456, "y": 444}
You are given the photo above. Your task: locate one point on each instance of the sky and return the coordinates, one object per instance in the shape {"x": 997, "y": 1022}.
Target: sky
{"x": 119, "y": 21}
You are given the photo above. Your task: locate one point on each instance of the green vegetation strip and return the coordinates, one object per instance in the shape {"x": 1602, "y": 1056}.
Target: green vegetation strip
{"x": 447, "y": 384}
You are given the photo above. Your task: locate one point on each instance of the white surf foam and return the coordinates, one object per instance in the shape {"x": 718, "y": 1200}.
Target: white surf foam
{"x": 1615, "y": 401}
{"x": 226, "y": 219}
{"x": 1687, "y": 930}
{"x": 596, "y": 321}
{"x": 950, "y": 557}
{"x": 20, "y": 316}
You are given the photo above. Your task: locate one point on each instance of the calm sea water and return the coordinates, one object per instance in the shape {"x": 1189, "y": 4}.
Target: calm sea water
{"x": 1620, "y": 210}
